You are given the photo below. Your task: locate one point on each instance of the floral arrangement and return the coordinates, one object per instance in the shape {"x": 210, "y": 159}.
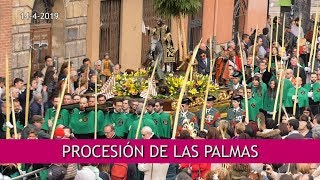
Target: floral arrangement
{"x": 130, "y": 84}
{"x": 197, "y": 86}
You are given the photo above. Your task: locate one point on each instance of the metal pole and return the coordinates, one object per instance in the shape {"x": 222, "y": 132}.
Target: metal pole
{"x": 29, "y": 174}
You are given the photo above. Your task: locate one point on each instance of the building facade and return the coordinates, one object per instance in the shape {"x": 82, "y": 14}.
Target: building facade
{"x": 90, "y": 28}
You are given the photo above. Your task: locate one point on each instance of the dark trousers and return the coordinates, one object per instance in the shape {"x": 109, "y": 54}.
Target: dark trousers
{"x": 84, "y": 136}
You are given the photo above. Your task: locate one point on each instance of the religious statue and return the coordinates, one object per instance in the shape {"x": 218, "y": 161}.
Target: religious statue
{"x": 161, "y": 33}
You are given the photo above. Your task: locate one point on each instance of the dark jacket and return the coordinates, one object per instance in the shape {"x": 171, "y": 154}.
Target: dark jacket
{"x": 35, "y": 109}
{"x": 295, "y": 136}
{"x": 302, "y": 74}
{"x": 40, "y": 133}
{"x": 202, "y": 68}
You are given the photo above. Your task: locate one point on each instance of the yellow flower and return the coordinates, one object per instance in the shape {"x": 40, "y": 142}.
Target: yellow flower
{"x": 193, "y": 91}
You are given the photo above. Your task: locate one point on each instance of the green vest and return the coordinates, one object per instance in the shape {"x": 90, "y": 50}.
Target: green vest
{"x": 165, "y": 124}
{"x": 118, "y": 120}
{"x": 303, "y": 99}
{"x": 316, "y": 92}
{"x": 253, "y": 109}
{"x": 268, "y": 101}
{"x": 259, "y": 96}
{"x": 63, "y": 118}
{"x": 157, "y": 121}
{"x": 83, "y": 122}
{"x": 286, "y": 86}
{"x": 146, "y": 121}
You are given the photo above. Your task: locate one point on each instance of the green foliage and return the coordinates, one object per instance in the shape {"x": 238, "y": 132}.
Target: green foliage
{"x": 168, "y": 8}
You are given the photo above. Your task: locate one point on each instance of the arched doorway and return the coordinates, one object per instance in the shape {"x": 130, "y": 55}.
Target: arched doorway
{"x": 40, "y": 33}
{"x": 239, "y": 18}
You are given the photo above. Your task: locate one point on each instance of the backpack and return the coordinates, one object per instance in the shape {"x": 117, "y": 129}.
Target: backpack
{"x": 119, "y": 171}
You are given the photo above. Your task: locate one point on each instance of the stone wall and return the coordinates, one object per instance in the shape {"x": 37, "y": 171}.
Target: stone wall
{"x": 5, "y": 32}
{"x": 68, "y": 33}
{"x": 76, "y": 31}
{"x": 21, "y": 38}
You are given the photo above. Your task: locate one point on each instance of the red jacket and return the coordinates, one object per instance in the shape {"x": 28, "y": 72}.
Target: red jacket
{"x": 196, "y": 169}
{"x": 238, "y": 63}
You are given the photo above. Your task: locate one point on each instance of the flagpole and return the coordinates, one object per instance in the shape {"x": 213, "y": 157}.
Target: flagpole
{"x": 60, "y": 102}
{"x": 270, "y": 50}
{"x": 7, "y": 97}
{"x": 244, "y": 79}
{"x": 26, "y": 118}
{"x": 298, "y": 67}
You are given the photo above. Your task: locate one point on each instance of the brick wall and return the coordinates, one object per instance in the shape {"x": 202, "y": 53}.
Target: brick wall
{"x": 5, "y": 32}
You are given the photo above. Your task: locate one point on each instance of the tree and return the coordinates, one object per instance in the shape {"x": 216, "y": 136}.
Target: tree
{"x": 178, "y": 9}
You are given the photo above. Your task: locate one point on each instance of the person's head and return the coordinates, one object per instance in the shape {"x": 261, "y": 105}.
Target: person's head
{"x": 150, "y": 106}
{"x": 265, "y": 31}
{"x": 304, "y": 49}
{"x": 231, "y": 45}
{"x": 308, "y": 112}
{"x": 318, "y": 75}
{"x": 303, "y": 122}
{"x": 245, "y": 38}
{"x": 16, "y": 105}
{"x": 134, "y": 104}
{"x": 91, "y": 101}
{"x": 275, "y": 50}
{"x": 158, "y": 106}
{"x": 138, "y": 110}
{"x": 239, "y": 128}
{"x": 249, "y": 60}
{"x": 76, "y": 98}
{"x": 32, "y": 134}
{"x": 293, "y": 125}
{"x": 316, "y": 119}
{"x": 97, "y": 65}
{"x": 273, "y": 84}
{"x": 117, "y": 105}
{"x": 213, "y": 133}
{"x": 87, "y": 62}
{"x": 203, "y": 55}
{"x": 116, "y": 69}
{"x": 109, "y": 131}
{"x": 18, "y": 83}
{"x": 67, "y": 99}
{"x": 285, "y": 177}
{"x": 73, "y": 76}
{"x": 125, "y": 105}
{"x": 262, "y": 66}
{"x": 289, "y": 73}
{"x": 14, "y": 92}
{"x": 146, "y": 132}
{"x": 293, "y": 61}
{"x": 48, "y": 61}
{"x": 34, "y": 83}
{"x": 259, "y": 41}
{"x": 316, "y": 132}
{"x": 102, "y": 99}
{"x": 38, "y": 77}
{"x": 236, "y": 101}
{"x": 37, "y": 98}
{"x": 210, "y": 101}
{"x": 185, "y": 104}
{"x": 83, "y": 82}
{"x": 67, "y": 132}
{"x": 313, "y": 77}
{"x": 318, "y": 55}
{"x": 4, "y": 108}
{"x": 183, "y": 176}
{"x": 37, "y": 121}
{"x": 249, "y": 92}
{"x": 298, "y": 81}
{"x": 83, "y": 102}
{"x": 236, "y": 77}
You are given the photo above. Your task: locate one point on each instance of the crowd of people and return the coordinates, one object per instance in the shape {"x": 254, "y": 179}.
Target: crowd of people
{"x": 118, "y": 118}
